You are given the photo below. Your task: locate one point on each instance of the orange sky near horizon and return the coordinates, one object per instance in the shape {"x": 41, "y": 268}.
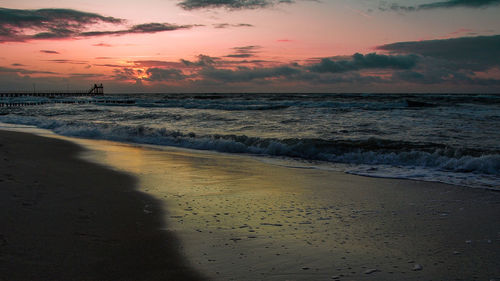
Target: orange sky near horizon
{"x": 297, "y": 34}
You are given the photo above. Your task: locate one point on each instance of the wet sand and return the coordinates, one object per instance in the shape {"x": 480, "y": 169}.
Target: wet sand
{"x": 62, "y": 218}
{"x": 240, "y": 218}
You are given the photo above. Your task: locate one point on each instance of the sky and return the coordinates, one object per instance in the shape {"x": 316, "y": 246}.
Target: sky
{"x": 251, "y": 45}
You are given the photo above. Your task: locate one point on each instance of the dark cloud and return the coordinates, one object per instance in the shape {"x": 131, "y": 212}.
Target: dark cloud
{"x": 341, "y": 78}
{"x": 244, "y": 52}
{"x": 18, "y": 25}
{"x": 243, "y": 25}
{"x": 240, "y": 56}
{"x": 402, "y": 67}
{"x": 221, "y": 25}
{"x": 23, "y": 71}
{"x": 109, "y": 65}
{"x": 140, "y": 28}
{"x": 152, "y": 74}
{"x": 203, "y": 61}
{"x": 85, "y": 75}
{"x": 442, "y": 76}
{"x": 244, "y": 74}
{"x": 473, "y": 53}
{"x": 51, "y": 18}
{"x": 164, "y": 74}
{"x": 442, "y": 4}
{"x": 157, "y": 63}
{"x": 226, "y": 25}
{"x": 230, "y": 4}
{"x": 450, "y": 61}
{"x": 49, "y": 52}
{"x": 125, "y": 73}
{"x": 285, "y": 74}
{"x": 359, "y": 62}
{"x": 49, "y": 23}
{"x": 68, "y": 61}
{"x": 251, "y": 62}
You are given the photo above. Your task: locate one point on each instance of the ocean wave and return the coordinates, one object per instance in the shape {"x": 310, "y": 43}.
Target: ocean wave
{"x": 372, "y": 151}
{"x": 266, "y": 104}
{"x": 219, "y": 102}
{"x": 242, "y": 102}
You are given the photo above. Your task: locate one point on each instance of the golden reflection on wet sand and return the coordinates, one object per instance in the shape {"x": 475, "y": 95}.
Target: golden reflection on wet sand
{"x": 242, "y": 219}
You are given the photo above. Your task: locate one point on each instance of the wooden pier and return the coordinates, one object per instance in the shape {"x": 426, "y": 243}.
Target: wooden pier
{"x": 96, "y": 90}
{"x": 55, "y": 97}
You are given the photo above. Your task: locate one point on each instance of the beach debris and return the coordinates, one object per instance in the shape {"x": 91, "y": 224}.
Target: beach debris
{"x": 371, "y": 270}
{"x": 417, "y": 267}
{"x": 335, "y": 277}
{"x": 305, "y": 268}
{"x": 271, "y": 224}
{"x": 456, "y": 252}
{"x": 468, "y": 241}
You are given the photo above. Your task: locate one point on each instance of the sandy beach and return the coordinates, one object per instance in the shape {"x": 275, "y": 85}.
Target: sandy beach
{"x": 228, "y": 217}
{"x": 62, "y": 218}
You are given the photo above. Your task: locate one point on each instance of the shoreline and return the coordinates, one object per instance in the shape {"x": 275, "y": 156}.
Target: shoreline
{"x": 391, "y": 170}
{"x": 63, "y": 218}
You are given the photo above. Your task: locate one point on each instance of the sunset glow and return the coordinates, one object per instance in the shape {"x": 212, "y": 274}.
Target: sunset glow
{"x": 309, "y": 46}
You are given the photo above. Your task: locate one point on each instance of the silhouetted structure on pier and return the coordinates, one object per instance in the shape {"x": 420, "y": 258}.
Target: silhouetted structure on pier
{"x": 96, "y": 90}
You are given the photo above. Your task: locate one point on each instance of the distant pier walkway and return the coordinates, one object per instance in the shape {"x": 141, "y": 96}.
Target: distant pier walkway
{"x": 96, "y": 90}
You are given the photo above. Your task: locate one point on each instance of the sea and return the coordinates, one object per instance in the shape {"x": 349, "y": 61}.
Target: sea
{"x": 449, "y": 138}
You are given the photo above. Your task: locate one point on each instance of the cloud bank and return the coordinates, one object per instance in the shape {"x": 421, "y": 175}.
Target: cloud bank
{"x": 244, "y": 52}
{"x": 140, "y": 28}
{"x": 441, "y": 4}
{"x": 459, "y": 63}
{"x": 226, "y": 25}
{"x": 24, "y": 25}
{"x": 359, "y": 61}
{"x": 230, "y": 4}
{"x": 23, "y": 71}
{"x": 459, "y": 60}
{"x": 49, "y": 52}
{"x": 473, "y": 53}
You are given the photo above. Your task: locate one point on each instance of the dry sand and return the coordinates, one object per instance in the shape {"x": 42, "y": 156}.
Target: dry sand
{"x": 239, "y": 218}
{"x": 62, "y": 218}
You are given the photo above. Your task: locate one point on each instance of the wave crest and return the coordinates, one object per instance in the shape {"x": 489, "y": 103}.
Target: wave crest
{"x": 372, "y": 151}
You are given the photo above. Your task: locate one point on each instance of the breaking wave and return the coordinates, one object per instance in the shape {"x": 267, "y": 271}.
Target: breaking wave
{"x": 372, "y": 152}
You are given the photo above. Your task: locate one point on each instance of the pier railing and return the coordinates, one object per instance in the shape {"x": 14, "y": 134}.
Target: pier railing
{"x": 96, "y": 90}
{"x": 99, "y": 101}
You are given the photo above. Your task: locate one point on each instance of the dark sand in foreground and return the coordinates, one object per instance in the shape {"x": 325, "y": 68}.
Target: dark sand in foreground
{"x": 62, "y": 218}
